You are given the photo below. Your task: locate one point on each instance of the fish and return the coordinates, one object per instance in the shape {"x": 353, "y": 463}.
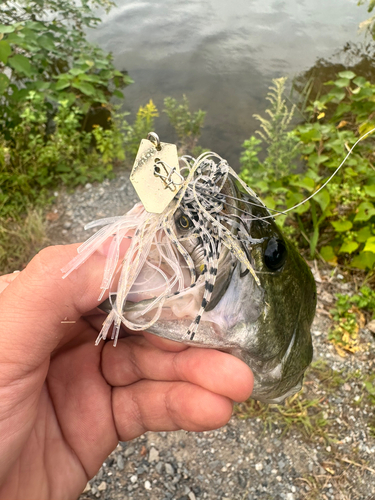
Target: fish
{"x": 213, "y": 270}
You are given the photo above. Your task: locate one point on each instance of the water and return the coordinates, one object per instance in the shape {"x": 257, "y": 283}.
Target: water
{"x": 221, "y": 54}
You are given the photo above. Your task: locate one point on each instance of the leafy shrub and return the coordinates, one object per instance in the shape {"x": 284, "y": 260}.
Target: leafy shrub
{"x": 339, "y": 220}
{"x": 56, "y": 117}
{"x": 187, "y": 125}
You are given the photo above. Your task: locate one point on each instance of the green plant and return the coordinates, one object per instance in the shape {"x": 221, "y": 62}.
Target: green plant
{"x": 339, "y": 220}
{"x": 144, "y": 123}
{"x": 299, "y": 412}
{"x": 188, "y": 125}
{"x": 349, "y": 316}
{"x": 35, "y": 161}
{"x": 51, "y": 55}
{"x": 57, "y": 120}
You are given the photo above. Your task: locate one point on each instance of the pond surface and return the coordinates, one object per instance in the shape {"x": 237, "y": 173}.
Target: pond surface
{"x": 221, "y": 54}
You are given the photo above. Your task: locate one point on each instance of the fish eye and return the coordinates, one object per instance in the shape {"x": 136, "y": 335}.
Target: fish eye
{"x": 184, "y": 222}
{"x": 275, "y": 254}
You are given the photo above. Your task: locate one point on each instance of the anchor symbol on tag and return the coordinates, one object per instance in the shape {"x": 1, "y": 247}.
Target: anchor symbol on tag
{"x": 169, "y": 171}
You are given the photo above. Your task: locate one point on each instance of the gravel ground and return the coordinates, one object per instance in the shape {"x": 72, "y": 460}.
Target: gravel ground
{"x": 254, "y": 458}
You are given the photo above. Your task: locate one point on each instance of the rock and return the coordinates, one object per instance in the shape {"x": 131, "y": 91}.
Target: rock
{"x": 87, "y": 488}
{"x": 153, "y": 456}
{"x": 169, "y": 469}
{"x": 147, "y": 485}
{"x": 371, "y": 326}
{"x": 327, "y": 297}
{"x": 159, "y": 467}
{"x": 259, "y": 467}
{"x": 281, "y": 464}
{"x": 120, "y": 462}
{"x": 129, "y": 451}
{"x": 102, "y": 486}
{"x": 191, "y": 496}
{"x": 134, "y": 478}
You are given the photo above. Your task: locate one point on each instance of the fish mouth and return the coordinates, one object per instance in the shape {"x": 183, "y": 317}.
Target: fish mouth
{"x": 234, "y": 335}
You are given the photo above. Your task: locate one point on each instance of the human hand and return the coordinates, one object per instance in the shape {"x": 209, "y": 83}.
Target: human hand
{"x": 65, "y": 403}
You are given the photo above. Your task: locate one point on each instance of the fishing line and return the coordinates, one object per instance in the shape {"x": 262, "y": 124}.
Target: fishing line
{"x": 329, "y": 179}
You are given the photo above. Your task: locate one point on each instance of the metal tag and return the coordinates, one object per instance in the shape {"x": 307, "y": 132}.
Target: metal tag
{"x": 156, "y": 174}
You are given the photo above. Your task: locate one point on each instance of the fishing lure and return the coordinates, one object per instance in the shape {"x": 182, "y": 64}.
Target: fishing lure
{"x": 195, "y": 193}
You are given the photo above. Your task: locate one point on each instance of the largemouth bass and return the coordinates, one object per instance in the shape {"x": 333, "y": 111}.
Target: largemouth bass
{"x": 212, "y": 270}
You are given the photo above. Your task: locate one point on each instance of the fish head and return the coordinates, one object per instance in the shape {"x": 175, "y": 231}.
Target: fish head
{"x": 262, "y": 317}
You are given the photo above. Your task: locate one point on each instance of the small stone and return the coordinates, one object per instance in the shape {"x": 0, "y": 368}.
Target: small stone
{"x": 327, "y": 297}
{"x": 346, "y": 387}
{"x": 159, "y": 467}
{"x": 88, "y": 186}
{"x": 169, "y": 469}
{"x": 129, "y": 451}
{"x": 147, "y": 485}
{"x": 153, "y": 456}
{"x": 242, "y": 481}
{"x": 191, "y": 496}
{"x": 87, "y": 488}
{"x": 289, "y": 496}
{"x": 120, "y": 462}
{"x": 102, "y": 486}
{"x": 134, "y": 479}
{"x": 371, "y": 326}
{"x": 259, "y": 466}
{"x": 67, "y": 225}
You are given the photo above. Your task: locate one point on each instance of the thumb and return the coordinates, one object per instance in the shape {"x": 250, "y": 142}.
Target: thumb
{"x": 35, "y": 305}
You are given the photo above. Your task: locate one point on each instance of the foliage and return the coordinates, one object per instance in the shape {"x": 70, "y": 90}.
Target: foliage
{"x": 187, "y": 125}
{"x": 303, "y": 411}
{"x": 50, "y": 54}
{"x": 339, "y": 220}
{"x": 349, "y": 316}
{"x": 144, "y": 123}
{"x": 56, "y": 117}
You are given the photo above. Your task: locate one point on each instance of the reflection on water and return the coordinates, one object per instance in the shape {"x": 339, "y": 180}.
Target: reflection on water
{"x": 221, "y": 54}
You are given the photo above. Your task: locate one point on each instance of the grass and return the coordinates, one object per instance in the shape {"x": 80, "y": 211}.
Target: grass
{"x": 20, "y": 240}
{"x": 306, "y": 413}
